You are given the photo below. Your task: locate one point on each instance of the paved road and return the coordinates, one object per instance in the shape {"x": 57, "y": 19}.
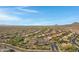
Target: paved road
{"x": 73, "y": 41}
{"x": 55, "y": 47}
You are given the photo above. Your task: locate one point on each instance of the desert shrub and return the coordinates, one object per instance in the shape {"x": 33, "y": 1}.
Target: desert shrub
{"x": 15, "y": 41}
{"x": 66, "y": 45}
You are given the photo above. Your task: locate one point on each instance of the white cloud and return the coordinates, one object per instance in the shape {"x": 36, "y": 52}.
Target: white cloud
{"x": 27, "y": 10}
{"x": 10, "y": 16}
{"x": 18, "y": 10}
{"x": 4, "y": 17}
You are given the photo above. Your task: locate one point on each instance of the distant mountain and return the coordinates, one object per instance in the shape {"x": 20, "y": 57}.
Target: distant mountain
{"x": 75, "y": 23}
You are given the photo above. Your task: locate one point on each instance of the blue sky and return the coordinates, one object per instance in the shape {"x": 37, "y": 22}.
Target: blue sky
{"x": 38, "y": 15}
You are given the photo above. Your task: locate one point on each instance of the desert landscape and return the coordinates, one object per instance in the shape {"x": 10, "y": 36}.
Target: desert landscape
{"x": 59, "y": 38}
{"x": 39, "y": 29}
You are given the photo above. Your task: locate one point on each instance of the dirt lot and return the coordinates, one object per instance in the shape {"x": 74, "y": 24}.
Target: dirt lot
{"x": 74, "y": 28}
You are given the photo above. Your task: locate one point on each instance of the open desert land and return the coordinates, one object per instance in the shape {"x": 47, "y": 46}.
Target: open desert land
{"x": 64, "y": 38}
